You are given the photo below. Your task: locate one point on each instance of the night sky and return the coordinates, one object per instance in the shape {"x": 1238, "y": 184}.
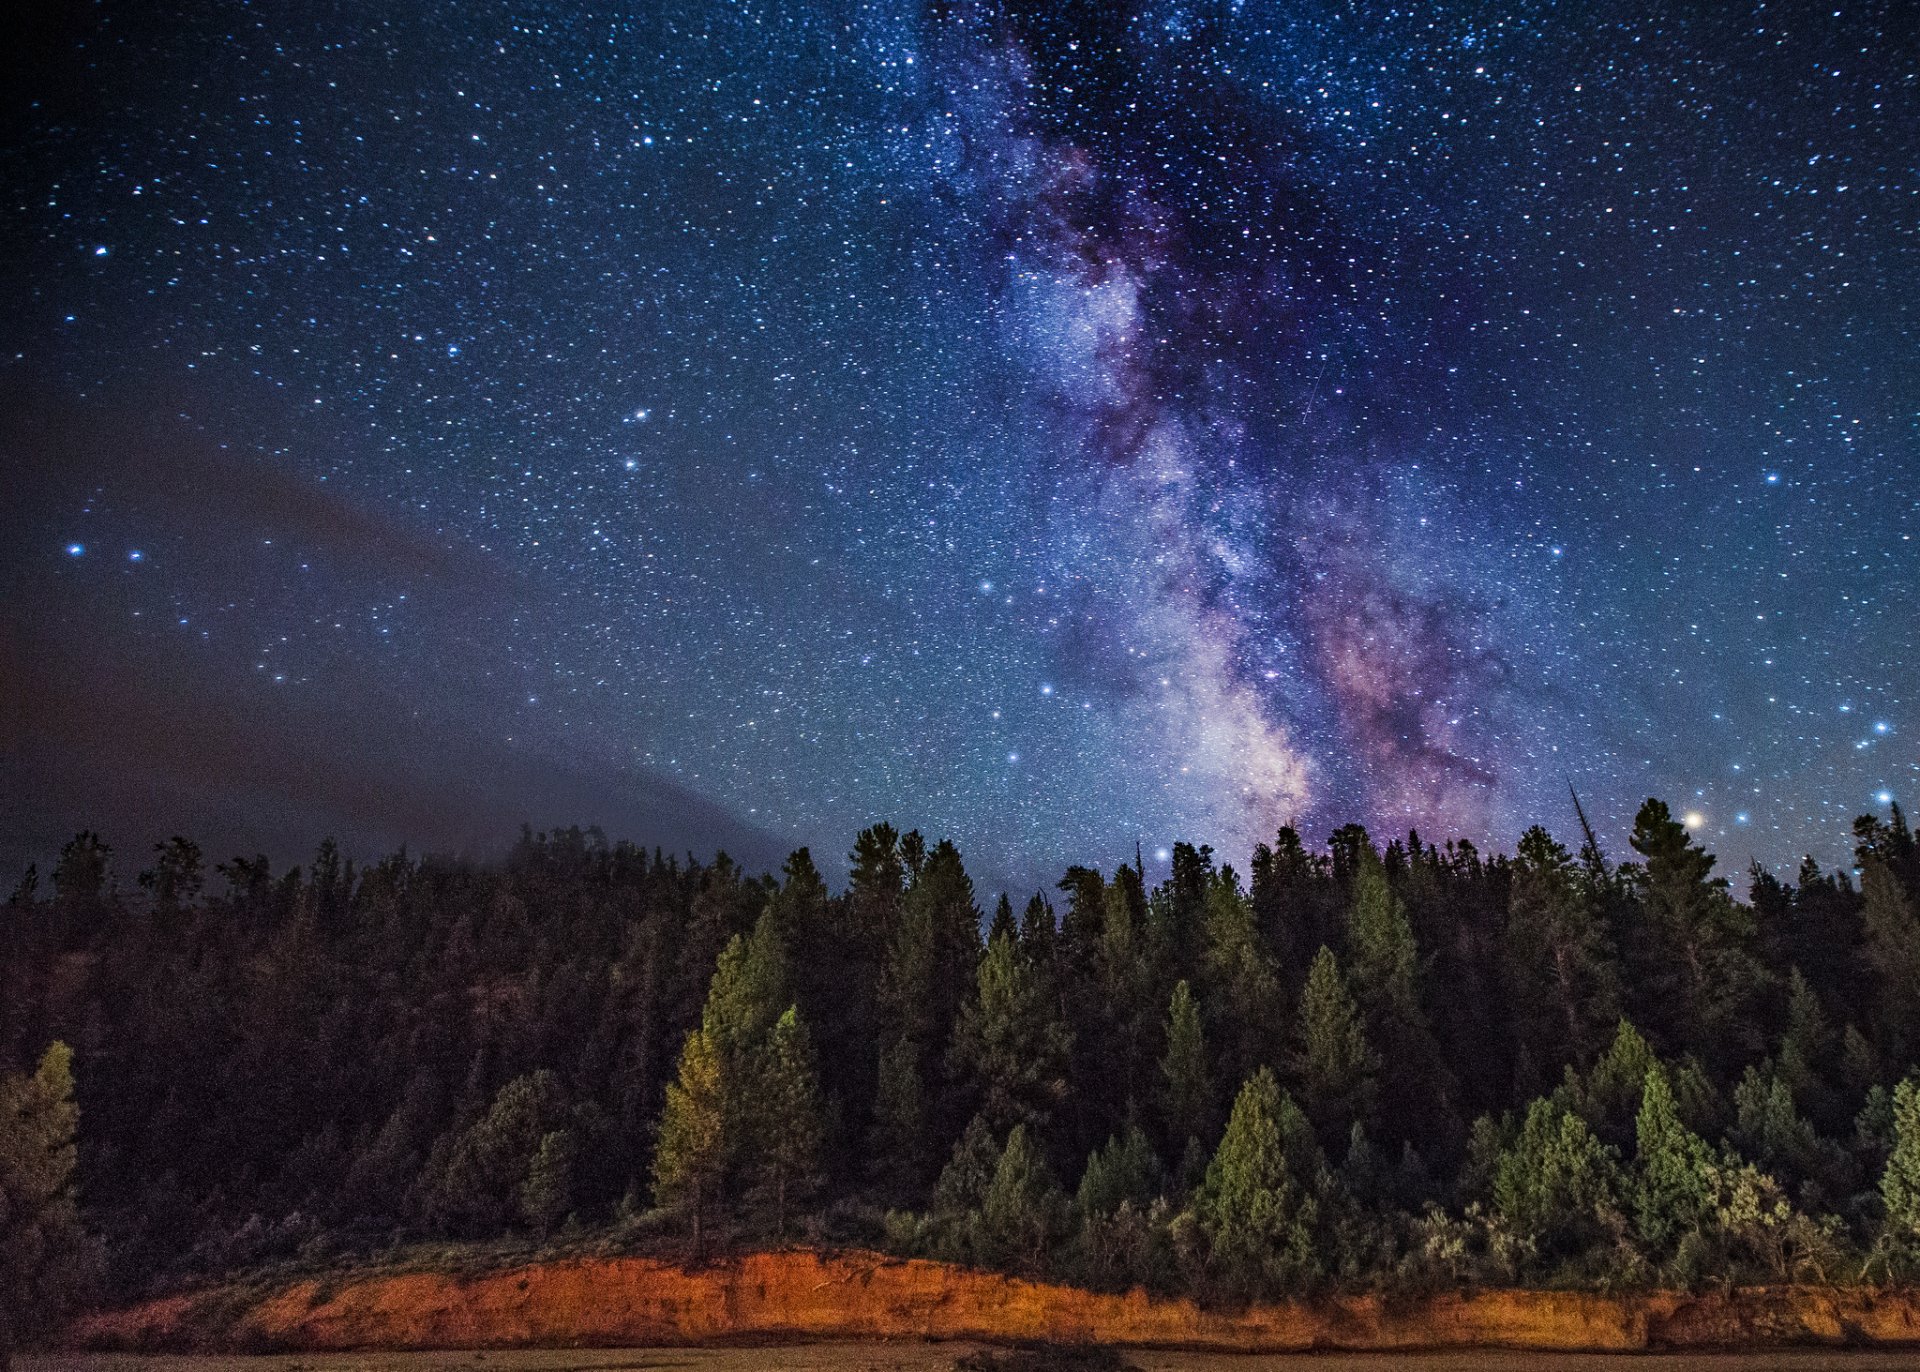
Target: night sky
{"x": 1048, "y": 426}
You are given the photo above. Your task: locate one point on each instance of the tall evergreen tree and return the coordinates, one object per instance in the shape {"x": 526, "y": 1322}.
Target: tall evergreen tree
{"x": 546, "y": 1194}
{"x": 1187, "y": 1095}
{"x": 1332, "y": 1060}
{"x": 1256, "y": 1207}
{"x": 1698, "y": 968}
{"x": 750, "y": 988}
{"x": 1127, "y": 1002}
{"x": 1672, "y": 1191}
{"x": 1382, "y": 973}
{"x": 47, "y": 1261}
{"x": 691, "y": 1156}
{"x": 1557, "y": 1184}
{"x": 1022, "y": 1213}
{"x": 1380, "y": 945}
{"x": 1010, "y": 1049}
{"x": 476, "y": 1185}
{"x": 787, "y": 1121}
{"x": 1892, "y": 954}
{"x": 1557, "y": 964}
{"x": 1243, "y": 995}
{"x": 1900, "y": 1181}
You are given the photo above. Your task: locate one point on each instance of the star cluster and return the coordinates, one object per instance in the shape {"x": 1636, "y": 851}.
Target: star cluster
{"x": 1052, "y": 425}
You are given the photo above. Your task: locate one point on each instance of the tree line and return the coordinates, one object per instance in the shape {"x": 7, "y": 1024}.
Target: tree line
{"x": 1362, "y": 1066}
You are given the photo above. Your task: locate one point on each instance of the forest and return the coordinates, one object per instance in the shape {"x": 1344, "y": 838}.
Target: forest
{"x": 1399, "y": 1067}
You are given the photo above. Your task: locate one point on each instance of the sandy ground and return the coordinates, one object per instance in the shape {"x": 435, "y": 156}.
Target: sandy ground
{"x": 939, "y": 1357}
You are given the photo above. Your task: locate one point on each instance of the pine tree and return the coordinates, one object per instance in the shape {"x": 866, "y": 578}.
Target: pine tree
{"x": 750, "y": 988}
{"x": 787, "y": 1120}
{"x": 1382, "y": 971}
{"x": 1806, "y": 1047}
{"x": 1187, "y": 1085}
{"x": 1332, "y": 1061}
{"x": 1038, "y": 932}
{"x": 1699, "y": 968}
{"x": 47, "y": 1261}
{"x": 1608, "y": 1097}
{"x": 1124, "y": 1171}
{"x": 1256, "y": 1207}
{"x": 1672, "y": 1191}
{"x": 963, "y": 1183}
{"x": 1557, "y": 1184}
{"x": 1770, "y": 1130}
{"x": 1243, "y": 994}
{"x": 1022, "y": 1213}
{"x": 690, "y": 1158}
{"x": 477, "y": 1186}
{"x": 1380, "y": 945}
{"x": 1893, "y": 958}
{"x": 1127, "y": 998}
{"x": 1003, "y": 921}
{"x": 1009, "y": 1045}
{"x": 931, "y": 969}
{"x": 547, "y": 1193}
{"x": 1556, "y": 960}
{"x": 1900, "y": 1182}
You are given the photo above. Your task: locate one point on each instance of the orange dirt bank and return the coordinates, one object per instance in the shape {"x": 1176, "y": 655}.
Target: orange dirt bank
{"x": 803, "y": 1296}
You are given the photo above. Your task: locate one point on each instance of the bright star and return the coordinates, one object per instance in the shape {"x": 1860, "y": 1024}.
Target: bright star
{"x": 1694, "y": 819}
{"x": 76, "y": 549}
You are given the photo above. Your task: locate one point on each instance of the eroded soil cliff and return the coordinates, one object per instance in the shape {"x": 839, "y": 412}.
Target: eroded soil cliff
{"x": 804, "y": 1296}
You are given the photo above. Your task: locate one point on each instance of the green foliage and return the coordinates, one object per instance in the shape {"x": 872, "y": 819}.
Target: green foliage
{"x": 1900, "y": 1182}
{"x": 932, "y": 965}
{"x": 1556, "y": 958}
{"x": 690, "y": 1158}
{"x": 1332, "y": 1061}
{"x": 788, "y": 1125}
{"x": 1672, "y": 1190}
{"x": 1188, "y": 1098}
{"x": 1770, "y": 1129}
{"x": 547, "y": 1193}
{"x": 1256, "y": 1209}
{"x": 1010, "y": 1047}
{"x": 969, "y": 1171}
{"x": 749, "y": 990}
{"x": 1022, "y": 1215}
{"x": 1380, "y": 944}
{"x": 1893, "y": 956}
{"x": 1557, "y": 1186}
{"x": 1700, "y": 964}
{"x": 1608, "y": 1097}
{"x": 1243, "y": 994}
{"x": 48, "y": 1263}
{"x": 339, "y": 1058}
{"x": 1124, "y": 1172}
{"x": 479, "y": 1182}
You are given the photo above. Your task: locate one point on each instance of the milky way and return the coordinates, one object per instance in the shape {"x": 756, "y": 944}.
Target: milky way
{"x": 1055, "y": 426}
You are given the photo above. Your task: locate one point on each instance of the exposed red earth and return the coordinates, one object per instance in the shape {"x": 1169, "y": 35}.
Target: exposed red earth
{"x": 803, "y": 1296}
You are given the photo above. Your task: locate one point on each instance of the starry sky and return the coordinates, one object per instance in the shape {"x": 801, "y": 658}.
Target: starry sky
{"x": 1048, "y": 425}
